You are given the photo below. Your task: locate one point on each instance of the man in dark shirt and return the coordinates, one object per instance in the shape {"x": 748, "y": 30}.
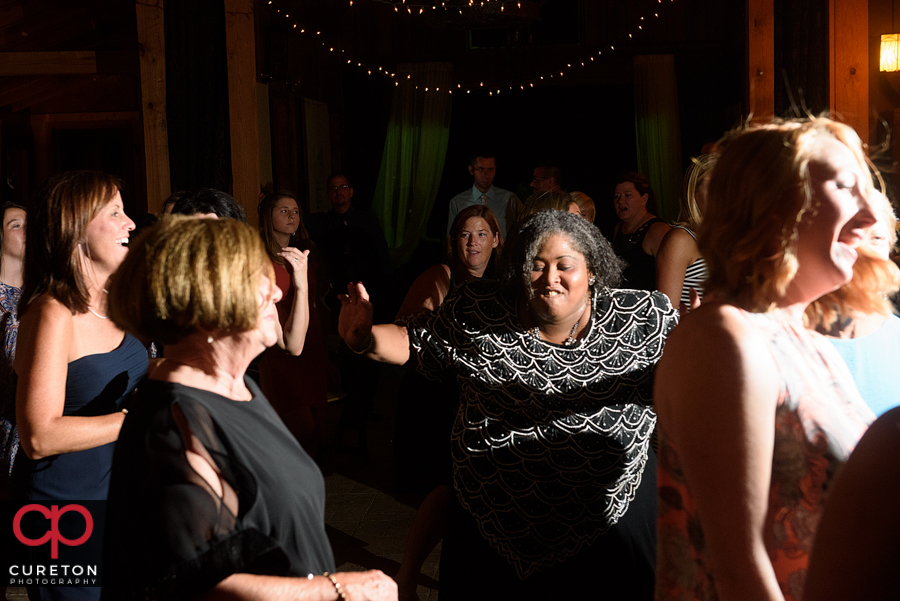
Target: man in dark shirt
{"x": 355, "y": 250}
{"x": 351, "y": 240}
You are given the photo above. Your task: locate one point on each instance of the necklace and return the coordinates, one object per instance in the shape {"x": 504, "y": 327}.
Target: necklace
{"x": 637, "y": 234}
{"x": 97, "y": 314}
{"x": 536, "y": 331}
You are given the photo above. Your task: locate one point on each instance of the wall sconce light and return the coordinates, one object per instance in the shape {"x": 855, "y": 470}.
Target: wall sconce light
{"x": 890, "y": 52}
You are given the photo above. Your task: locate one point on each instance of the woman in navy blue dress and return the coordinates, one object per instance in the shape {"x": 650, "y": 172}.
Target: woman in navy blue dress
{"x": 75, "y": 366}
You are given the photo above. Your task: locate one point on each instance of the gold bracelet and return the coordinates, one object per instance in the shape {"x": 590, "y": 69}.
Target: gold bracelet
{"x": 337, "y": 586}
{"x": 369, "y": 345}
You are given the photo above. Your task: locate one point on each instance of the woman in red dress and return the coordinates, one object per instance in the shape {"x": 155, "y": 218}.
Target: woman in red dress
{"x": 295, "y": 385}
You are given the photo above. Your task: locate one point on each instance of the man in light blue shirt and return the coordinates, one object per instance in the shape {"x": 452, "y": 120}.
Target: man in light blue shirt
{"x": 505, "y": 205}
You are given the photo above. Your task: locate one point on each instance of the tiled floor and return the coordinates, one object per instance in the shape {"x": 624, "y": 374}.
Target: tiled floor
{"x": 368, "y": 530}
{"x": 367, "y": 525}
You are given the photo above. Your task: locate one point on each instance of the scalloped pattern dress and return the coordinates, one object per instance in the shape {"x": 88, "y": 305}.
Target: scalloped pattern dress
{"x": 550, "y": 442}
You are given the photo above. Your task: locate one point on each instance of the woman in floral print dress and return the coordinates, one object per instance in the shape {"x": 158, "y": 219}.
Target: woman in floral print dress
{"x": 12, "y": 252}
{"x": 756, "y": 412}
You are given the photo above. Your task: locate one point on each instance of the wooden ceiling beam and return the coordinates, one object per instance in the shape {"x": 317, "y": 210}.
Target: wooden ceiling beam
{"x": 28, "y": 87}
{"x": 48, "y": 63}
{"x": 72, "y": 62}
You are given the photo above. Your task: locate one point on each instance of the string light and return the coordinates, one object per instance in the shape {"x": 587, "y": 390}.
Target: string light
{"x": 421, "y": 6}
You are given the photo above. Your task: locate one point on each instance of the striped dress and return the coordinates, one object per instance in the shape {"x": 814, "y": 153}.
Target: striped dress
{"x": 694, "y": 276}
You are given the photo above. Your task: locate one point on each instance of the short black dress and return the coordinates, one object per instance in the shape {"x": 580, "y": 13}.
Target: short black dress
{"x": 640, "y": 271}
{"x": 169, "y": 537}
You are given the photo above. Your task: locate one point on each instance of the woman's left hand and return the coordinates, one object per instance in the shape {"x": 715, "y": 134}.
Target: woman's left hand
{"x": 298, "y": 262}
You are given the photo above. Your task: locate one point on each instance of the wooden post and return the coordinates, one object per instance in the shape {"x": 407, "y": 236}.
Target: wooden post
{"x": 761, "y": 59}
{"x": 849, "y": 63}
{"x": 243, "y": 117}
{"x": 152, "y": 40}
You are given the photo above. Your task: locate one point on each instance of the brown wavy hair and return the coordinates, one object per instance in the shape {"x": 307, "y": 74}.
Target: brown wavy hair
{"x": 58, "y": 221}
{"x": 759, "y": 192}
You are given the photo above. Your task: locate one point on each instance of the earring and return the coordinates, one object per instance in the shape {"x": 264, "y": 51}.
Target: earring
{"x": 591, "y": 281}
{"x": 209, "y": 339}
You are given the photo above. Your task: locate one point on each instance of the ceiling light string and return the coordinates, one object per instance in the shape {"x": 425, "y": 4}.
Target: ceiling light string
{"x": 331, "y": 48}
{"x": 491, "y": 89}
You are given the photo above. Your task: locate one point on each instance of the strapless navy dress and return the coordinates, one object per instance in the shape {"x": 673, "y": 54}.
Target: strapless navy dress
{"x": 95, "y": 385}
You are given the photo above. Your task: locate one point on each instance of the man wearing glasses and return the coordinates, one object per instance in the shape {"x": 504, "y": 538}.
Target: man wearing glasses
{"x": 351, "y": 239}
{"x": 505, "y": 205}
{"x": 546, "y": 178}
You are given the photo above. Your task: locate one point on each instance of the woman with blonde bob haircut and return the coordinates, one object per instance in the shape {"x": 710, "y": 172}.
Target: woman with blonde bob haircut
{"x": 756, "y": 412}
{"x": 194, "y": 283}
{"x": 202, "y": 441}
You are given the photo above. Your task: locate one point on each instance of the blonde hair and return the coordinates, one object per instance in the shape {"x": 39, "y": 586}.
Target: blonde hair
{"x": 690, "y": 215}
{"x": 758, "y": 194}
{"x": 556, "y": 200}
{"x": 585, "y": 204}
{"x": 187, "y": 274}
{"x": 874, "y": 278}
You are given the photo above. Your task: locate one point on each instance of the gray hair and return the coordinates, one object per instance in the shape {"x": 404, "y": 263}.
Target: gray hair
{"x": 518, "y": 258}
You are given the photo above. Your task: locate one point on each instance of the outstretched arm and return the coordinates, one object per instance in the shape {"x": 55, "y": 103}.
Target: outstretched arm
{"x": 388, "y": 343}
{"x": 371, "y": 585}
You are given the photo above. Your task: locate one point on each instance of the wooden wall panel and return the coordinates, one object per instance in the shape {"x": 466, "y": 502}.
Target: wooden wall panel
{"x": 152, "y": 55}
{"x": 243, "y": 114}
{"x": 850, "y": 63}
{"x": 761, "y": 59}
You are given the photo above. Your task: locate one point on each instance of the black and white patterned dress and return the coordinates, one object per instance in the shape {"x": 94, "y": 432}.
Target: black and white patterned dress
{"x": 551, "y": 441}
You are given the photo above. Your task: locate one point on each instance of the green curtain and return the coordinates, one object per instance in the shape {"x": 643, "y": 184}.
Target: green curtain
{"x": 658, "y": 129}
{"x": 414, "y": 153}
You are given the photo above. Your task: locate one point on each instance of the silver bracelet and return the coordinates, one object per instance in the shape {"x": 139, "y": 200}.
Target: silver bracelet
{"x": 369, "y": 345}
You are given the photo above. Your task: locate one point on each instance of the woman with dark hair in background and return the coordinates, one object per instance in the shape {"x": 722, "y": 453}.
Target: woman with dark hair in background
{"x": 552, "y": 465}
{"x": 639, "y": 233}
{"x": 74, "y": 365}
{"x": 12, "y": 256}
{"x": 295, "y": 385}
{"x": 422, "y": 435}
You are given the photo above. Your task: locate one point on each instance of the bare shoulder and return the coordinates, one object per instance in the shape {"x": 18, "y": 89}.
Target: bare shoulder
{"x": 655, "y": 236}
{"x": 712, "y": 323}
{"x": 47, "y": 313}
{"x": 427, "y": 292}
{"x": 436, "y": 273}
{"x": 677, "y": 237}
{"x": 45, "y": 334}
{"x": 714, "y": 353}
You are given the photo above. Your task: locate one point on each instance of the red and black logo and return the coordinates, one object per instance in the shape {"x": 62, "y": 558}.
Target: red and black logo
{"x": 51, "y": 543}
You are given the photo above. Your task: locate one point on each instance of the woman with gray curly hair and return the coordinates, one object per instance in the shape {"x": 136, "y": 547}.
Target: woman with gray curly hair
{"x": 553, "y": 471}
